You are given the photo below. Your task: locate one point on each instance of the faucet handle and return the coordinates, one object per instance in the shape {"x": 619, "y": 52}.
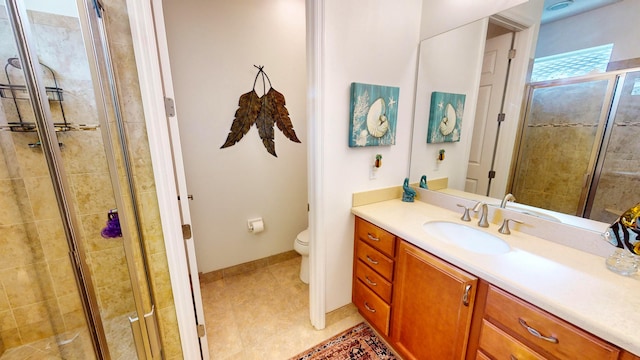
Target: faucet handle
{"x": 465, "y": 216}
{"x": 504, "y": 229}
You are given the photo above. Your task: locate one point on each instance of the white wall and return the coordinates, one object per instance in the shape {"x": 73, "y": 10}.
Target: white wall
{"x": 360, "y": 47}
{"x": 450, "y": 62}
{"x": 443, "y": 15}
{"x": 616, "y": 23}
{"x": 462, "y": 67}
{"x": 373, "y": 42}
{"x": 213, "y": 46}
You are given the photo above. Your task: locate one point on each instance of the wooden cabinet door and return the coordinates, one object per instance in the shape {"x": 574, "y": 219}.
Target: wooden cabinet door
{"x": 432, "y": 306}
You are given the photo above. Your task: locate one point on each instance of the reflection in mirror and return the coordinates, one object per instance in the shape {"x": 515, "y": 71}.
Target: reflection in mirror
{"x": 602, "y": 186}
{"x": 558, "y": 147}
{"x": 615, "y": 184}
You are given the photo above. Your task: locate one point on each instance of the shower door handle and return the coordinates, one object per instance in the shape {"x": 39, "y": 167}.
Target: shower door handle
{"x": 152, "y": 336}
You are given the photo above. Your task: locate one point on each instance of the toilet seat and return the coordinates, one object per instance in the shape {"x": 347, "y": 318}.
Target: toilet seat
{"x": 303, "y": 238}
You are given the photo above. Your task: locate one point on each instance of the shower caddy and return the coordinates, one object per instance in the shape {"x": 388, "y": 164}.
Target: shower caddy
{"x": 20, "y": 92}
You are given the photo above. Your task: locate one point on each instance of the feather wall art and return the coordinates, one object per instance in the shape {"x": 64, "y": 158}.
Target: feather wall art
{"x": 265, "y": 112}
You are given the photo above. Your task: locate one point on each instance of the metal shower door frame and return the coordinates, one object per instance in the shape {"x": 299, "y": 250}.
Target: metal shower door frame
{"x": 144, "y": 325}
{"x": 612, "y": 78}
{"x": 49, "y": 143}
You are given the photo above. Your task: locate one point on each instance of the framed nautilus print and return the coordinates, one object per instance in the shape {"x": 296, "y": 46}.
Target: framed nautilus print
{"x": 445, "y": 117}
{"x": 374, "y": 115}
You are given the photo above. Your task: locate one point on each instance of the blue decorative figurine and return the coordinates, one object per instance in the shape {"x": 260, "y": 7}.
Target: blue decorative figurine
{"x": 423, "y": 182}
{"x": 408, "y": 194}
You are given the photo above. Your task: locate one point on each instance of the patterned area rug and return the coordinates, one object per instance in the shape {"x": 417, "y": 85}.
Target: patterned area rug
{"x": 359, "y": 342}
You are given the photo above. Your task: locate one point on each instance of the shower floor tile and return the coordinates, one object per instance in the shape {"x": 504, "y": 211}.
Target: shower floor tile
{"x": 76, "y": 344}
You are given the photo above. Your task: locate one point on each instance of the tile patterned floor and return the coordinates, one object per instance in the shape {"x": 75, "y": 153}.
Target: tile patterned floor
{"x": 264, "y": 314}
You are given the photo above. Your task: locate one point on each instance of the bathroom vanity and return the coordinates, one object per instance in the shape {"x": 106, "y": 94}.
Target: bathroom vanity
{"x": 435, "y": 299}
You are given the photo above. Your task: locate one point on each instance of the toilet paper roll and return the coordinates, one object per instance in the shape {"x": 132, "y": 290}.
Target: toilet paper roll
{"x": 256, "y": 225}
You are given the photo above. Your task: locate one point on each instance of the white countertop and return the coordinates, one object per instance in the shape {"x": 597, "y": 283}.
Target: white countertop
{"x": 571, "y": 284}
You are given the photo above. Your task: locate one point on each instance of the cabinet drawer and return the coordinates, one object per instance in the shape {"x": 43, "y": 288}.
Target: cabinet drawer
{"x": 375, "y": 260}
{"x": 372, "y": 308}
{"x": 374, "y": 281}
{"x": 375, "y": 236}
{"x": 628, "y": 356}
{"x": 500, "y": 345}
{"x": 516, "y": 315}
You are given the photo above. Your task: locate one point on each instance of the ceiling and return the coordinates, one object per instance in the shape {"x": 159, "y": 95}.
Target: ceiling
{"x": 575, "y": 7}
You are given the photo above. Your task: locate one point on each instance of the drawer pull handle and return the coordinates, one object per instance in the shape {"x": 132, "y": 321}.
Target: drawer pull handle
{"x": 536, "y": 333}
{"x": 372, "y": 238}
{"x": 369, "y": 307}
{"x": 374, "y": 262}
{"x": 465, "y": 297}
{"x": 372, "y": 283}
{"x": 512, "y": 357}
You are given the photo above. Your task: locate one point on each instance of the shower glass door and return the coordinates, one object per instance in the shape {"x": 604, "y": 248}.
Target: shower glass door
{"x": 561, "y": 136}
{"x": 74, "y": 279}
{"x": 615, "y": 188}
{"x": 41, "y": 307}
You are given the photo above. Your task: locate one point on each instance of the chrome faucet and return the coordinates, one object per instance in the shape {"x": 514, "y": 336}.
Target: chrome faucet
{"x": 508, "y": 197}
{"x": 482, "y": 207}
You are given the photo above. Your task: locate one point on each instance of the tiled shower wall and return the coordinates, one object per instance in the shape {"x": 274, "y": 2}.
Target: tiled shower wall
{"x": 38, "y": 297}
{"x": 38, "y": 290}
{"x": 620, "y": 179}
{"x": 126, "y": 74}
{"x": 559, "y": 138}
{"x": 558, "y": 145}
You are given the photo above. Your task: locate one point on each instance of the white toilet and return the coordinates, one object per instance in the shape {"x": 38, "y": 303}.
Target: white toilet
{"x": 301, "y": 245}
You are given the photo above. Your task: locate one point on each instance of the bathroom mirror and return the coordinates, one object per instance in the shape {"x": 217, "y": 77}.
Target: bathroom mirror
{"x": 454, "y": 166}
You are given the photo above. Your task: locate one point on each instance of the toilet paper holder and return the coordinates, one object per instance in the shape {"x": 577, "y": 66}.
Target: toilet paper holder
{"x": 255, "y": 225}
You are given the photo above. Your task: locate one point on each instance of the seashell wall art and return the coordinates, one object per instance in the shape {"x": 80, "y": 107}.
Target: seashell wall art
{"x": 445, "y": 117}
{"x": 374, "y": 115}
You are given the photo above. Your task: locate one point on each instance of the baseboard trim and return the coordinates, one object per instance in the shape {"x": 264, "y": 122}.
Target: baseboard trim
{"x": 246, "y": 267}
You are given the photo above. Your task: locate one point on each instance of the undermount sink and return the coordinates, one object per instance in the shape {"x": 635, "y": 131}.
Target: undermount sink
{"x": 466, "y": 237}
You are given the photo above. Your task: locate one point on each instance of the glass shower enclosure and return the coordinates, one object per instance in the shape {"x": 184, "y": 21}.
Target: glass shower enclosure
{"x": 74, "y": 278}
{"x": 579, "y": 152}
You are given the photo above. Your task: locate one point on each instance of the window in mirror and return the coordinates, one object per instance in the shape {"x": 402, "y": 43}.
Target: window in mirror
{"x": 573, "y": 63}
